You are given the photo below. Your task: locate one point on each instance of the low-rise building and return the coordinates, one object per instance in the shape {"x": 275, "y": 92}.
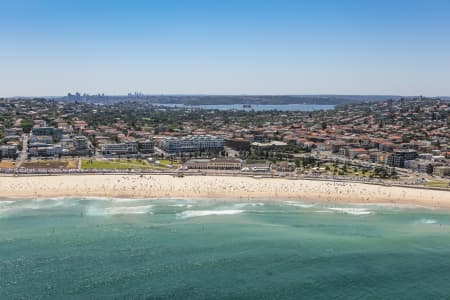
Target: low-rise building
{"x": 215, "y": 163}
{"x": 238, "y": 144}
{"x": 14, "y": 131}
{"x": 419, "y": 165}
{"x": 125, "y": 148}
{"x": 146, "y": 146}
{"x": 8, "y": 151}
{"x": 441, "y": 171}
{"x": 47, "y": 139}
{"x": 273, "y": 146}
{"x": 197, "y": 163}
{"x": 284, "y": 166}
{"x": 80, "y": 143}
{"x": 55, "y": 133}
{"x": 45, "y": 151}
{"x": 356, "y": 152}
{"x": 225, "y": 163}
{"x": 81, "y": 146}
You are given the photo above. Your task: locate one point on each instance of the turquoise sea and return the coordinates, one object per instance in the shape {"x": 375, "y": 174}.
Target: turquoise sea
{"x": 71, "y": 248}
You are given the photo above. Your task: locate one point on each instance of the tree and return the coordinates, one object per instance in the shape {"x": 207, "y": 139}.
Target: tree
{"x": 394, "y": 172}
{"x": 26, "y": 125}
{"x": 430, "y": 169}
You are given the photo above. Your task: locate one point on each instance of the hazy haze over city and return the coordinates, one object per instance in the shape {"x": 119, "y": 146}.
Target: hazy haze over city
{"x": 225, "y": 47}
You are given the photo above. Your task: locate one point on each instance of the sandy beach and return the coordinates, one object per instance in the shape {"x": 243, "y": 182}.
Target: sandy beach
{"x": 220, "y": 187}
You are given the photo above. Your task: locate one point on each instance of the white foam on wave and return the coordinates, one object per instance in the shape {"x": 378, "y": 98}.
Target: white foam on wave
{"x": 37, "y": 204}
{"x": 352, "y": 210}
{"x": 8, "y": 207}
{"x": 6, "y": 202}
{"x": 387, "y": 205}
{"x": 119, "y": 210}
{"x": 298, "y": 204}
{"x": 72, "y": 198}
{"x": 427, "y": 221}
{"x": 251, "y": 204}
{"x": 181, "y": 205}
{"x": 126, "y": 200}
{"x": 323, "y": 211}
{"x": 203, "y": 213}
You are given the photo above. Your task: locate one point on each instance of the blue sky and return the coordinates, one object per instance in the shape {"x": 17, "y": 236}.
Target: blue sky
{"x": 52, "y": 47}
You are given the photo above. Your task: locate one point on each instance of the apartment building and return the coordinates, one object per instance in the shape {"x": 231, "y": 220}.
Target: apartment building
{"x": 125, "y": 148}
{"x": 197, "y": 143}
{"x": 146, "y": 146}
{"x": 8, "y": 151}
{"x": 55, "y": 133}
{"x": 398, "y": 158}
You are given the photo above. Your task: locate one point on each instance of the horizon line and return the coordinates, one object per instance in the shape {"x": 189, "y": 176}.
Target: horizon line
{"x": 229, "y": 95}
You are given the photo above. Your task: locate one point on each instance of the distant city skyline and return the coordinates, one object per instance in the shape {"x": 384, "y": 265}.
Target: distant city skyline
{"x": 140, "y": 94}
{"x": 51, "y": 48}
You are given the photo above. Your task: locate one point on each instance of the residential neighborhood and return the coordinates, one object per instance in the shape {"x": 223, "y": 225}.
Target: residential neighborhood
{"x": 393, "y": 139}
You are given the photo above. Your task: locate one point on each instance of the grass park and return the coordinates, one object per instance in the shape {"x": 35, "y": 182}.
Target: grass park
{"x": 437, "y": 183}
{"x": 125, "y": 164}
{"x": 50, "y": 164}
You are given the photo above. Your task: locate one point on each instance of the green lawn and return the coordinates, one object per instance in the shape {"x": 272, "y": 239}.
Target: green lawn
{"x": 166, "y": 163}
{"x": 124, "y": 164}
{"x": 437, "y": 183}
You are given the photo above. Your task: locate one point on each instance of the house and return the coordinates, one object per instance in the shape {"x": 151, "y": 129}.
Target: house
{"x": 356, "y": 152}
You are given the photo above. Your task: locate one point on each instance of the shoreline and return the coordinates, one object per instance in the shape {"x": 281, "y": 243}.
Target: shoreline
{"x": 218, "y": 187}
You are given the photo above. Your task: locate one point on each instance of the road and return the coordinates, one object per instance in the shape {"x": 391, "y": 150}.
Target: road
{"x": 23, "y": 155}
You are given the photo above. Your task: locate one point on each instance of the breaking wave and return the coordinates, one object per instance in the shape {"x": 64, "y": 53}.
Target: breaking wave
{"x": 251, "y": 204}
{"x": 6, "y": 202}
{"x": 352, "y": 210}
{"x": 427, "y": 221}
{"x": 181, "y": 205}
{"x": 299, "y": 204}
{"x": 203, "y": 213}
{"x": 118, "y": 210}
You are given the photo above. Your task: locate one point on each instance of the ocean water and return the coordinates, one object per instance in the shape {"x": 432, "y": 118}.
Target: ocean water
{"x": 100, "y": 248}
